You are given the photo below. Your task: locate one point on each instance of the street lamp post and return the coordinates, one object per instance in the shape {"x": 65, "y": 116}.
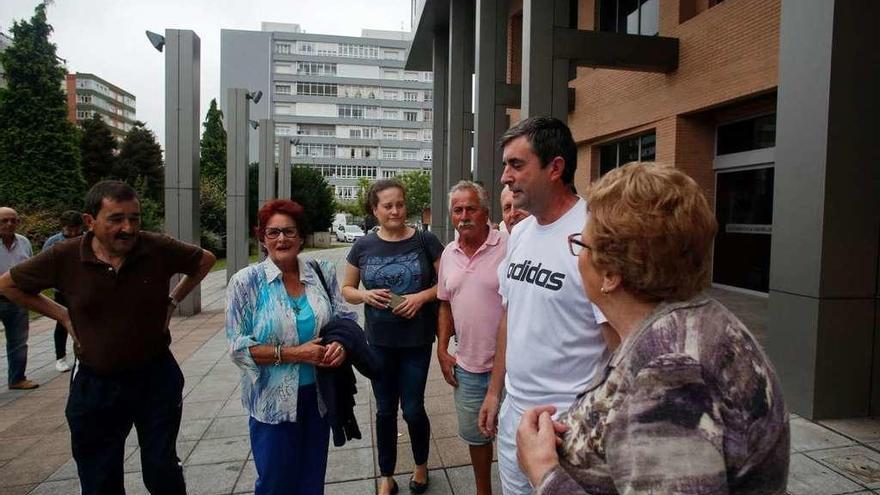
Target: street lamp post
{"x": 182, "y": 92}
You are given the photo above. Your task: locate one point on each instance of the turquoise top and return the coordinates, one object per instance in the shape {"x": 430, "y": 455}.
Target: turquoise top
{"x": 305, "y": 325}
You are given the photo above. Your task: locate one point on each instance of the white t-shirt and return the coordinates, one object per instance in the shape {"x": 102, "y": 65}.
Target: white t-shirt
{"x": 554, "y": 342}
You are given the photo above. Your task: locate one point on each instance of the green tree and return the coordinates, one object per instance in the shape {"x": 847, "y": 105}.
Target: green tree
{"x": 98, "y": 149}
{"x": 39, "y": 147}
{"x": 363, "y": 185}
{"x": 417, "y": 184}
{"x": 309, "y": 188}
{"x": 140, "y": 157}
{"x": 213, "y": 145}
{"x": 212, "y": 184}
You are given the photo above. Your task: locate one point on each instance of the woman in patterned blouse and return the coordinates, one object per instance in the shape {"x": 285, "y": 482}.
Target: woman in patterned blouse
{"x": 688, "y": 402}
{"x": 275, "y": 310}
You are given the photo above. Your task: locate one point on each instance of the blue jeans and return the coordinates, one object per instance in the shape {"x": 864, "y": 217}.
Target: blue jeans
{"x": 469, "y": 395}
{"x": 292, "y": 457}
{"x": 101, "y": 410}
{"x": 402, "y": 379}
{"x": 15, "y": 323}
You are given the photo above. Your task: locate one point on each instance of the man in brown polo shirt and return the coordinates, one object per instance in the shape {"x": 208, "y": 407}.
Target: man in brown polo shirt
{"x": 116, "y": 280}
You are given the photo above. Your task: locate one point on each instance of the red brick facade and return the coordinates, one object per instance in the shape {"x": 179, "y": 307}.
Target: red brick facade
{"x": 728, "y": 65}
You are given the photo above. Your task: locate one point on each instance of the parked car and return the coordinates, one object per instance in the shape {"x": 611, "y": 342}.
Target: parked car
{"x": 348, "y": 233}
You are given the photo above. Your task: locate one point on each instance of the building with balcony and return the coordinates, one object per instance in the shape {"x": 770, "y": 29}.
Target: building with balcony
{"x": 88, "y": 94}
{"x": 347, "y": 104}
{"x": 770, "y": 105}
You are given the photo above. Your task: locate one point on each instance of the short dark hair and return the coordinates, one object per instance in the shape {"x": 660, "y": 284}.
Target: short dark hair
{"x": 114, "y": 190}
{"x": 286, "y": 207}
{"x": 71, "y": 218}
{"x": 379, "y": 186}
{"x": 549, "y": 137}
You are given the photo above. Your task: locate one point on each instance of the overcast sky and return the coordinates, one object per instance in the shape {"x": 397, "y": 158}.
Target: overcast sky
{"x": 106, "y": 37}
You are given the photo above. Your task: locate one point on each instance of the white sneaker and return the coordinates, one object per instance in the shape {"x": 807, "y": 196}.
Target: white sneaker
{"x": 62, "y": 366}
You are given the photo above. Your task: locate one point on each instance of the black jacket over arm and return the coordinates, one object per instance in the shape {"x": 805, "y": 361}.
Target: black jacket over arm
{"x": 337, "y": 386}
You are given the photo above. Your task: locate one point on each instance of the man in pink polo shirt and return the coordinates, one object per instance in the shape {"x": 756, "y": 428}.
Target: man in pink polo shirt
{"x": 470, "y": 309}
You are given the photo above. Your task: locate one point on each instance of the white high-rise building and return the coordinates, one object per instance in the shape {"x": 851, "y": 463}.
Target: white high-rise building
{"x": 347, "y": 102}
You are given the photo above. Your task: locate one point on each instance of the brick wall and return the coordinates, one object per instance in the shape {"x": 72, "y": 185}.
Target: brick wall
{"x": 728, "y": 64}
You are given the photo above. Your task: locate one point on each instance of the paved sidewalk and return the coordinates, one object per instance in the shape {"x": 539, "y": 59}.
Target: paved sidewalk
{"x": 834, "y": 457}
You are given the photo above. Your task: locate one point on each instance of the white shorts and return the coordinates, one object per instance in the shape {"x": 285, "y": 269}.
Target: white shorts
{"x": 513, "y": 480}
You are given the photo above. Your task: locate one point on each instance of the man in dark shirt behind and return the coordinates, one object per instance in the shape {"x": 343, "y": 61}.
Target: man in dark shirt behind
{"x": 116, "y": 281}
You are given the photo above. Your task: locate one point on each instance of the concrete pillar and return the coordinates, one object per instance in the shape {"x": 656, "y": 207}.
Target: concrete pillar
{"x": 823, "y": 307}
{"x": 182, "y": 125}
{"x": 237, "y": 234}
{"x": 460, "y": 118}
{"x": 490, "y": 118}
{"x": 284, "y": 168}
{"x": 544, "y": 76}
{"x": 439, "y": 157}
{"x": 266, "y": 173}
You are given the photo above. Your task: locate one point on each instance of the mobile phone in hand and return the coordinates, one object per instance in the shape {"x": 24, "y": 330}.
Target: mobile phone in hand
{"x": 395, "y": 301}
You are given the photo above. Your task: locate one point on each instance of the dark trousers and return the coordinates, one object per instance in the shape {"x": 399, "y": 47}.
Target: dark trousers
{"x": 101, "y": 411}
{"x": 15, "y": 324}
{"x": 401, "y": 382}
{"x": 291, "y": 458}
{"x": 60, "y": 331}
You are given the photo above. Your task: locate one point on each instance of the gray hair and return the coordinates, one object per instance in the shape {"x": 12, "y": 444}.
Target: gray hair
{"x": 466, "y": 185}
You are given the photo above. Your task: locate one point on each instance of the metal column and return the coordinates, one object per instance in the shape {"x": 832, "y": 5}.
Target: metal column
{"x": 237, "y": 235}
{"x": 490, "y": 117}
{"x": 460, "y": 119}
{"x": 439, "y": 157}
{"x": 823, "y": 317}
{"x": 544, "y": 76}
{"x": 266, "y": 174}
{"x": 182, "y": 124}
{"x": 284, "y": 168}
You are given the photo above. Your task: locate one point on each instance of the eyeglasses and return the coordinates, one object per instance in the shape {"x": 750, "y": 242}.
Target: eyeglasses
{"x": 9, "y": 220}
{"x": 289, "y": 232}
{"x": 576, "y": 245}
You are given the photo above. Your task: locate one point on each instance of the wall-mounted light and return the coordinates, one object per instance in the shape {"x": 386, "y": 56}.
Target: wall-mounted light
{"x": 157, "y": 40}
{"x": 255, "y": 96}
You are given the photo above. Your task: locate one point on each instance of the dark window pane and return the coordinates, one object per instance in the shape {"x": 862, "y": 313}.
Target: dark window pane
{"x": 629, "y": 151}
{"x": 744, "y": 210}
{"x": 607, "y": 158}
{"x": 751, "y": 134}
{"x": 649, "y": 147}
{"x": 649, "y": 17}
{"x": 608, "y": 15}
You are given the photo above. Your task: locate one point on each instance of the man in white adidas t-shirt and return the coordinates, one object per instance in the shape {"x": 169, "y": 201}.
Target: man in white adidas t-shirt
{"x": 550, "y": 337}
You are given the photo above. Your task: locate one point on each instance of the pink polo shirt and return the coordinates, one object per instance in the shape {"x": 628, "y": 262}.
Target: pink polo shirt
{"x": 471, "y": 287}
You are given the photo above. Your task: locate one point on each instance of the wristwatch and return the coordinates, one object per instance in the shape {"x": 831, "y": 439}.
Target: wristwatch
{"x": 173, "y": 302}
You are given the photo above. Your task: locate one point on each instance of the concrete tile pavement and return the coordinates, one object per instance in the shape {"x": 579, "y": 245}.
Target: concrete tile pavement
{"x": 828, "y": 458}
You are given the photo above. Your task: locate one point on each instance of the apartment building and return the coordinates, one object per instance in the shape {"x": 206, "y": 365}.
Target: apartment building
{"x": 88, "y": 94}
{"x": 346, "y": 103}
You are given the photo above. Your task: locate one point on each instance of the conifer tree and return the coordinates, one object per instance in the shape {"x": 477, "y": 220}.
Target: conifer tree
{"x": 140, "y": 158}
{"x": 98, "y": 149}
{"x": 39, "y": 147}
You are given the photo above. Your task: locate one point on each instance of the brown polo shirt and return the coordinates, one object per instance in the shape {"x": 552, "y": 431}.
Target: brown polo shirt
{"x": 119, "y": 316}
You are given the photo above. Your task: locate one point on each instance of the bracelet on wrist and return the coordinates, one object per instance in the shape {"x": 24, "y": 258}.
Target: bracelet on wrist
{"x": 277, "y": 354}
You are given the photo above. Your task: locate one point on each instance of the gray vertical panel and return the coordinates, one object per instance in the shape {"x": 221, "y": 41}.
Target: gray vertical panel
{"x": 439, "y": 155}
{"x": 284, "y": 168}
{"x": 266, "y": 174}
{"x": 491, "y": 56}
{"x": 825, "y": 208}
{"x": 544, "y": 77}
{"x": 461, "y": 53}
{"x": 236, "y": 181}
{"x": 182, "y": 91}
